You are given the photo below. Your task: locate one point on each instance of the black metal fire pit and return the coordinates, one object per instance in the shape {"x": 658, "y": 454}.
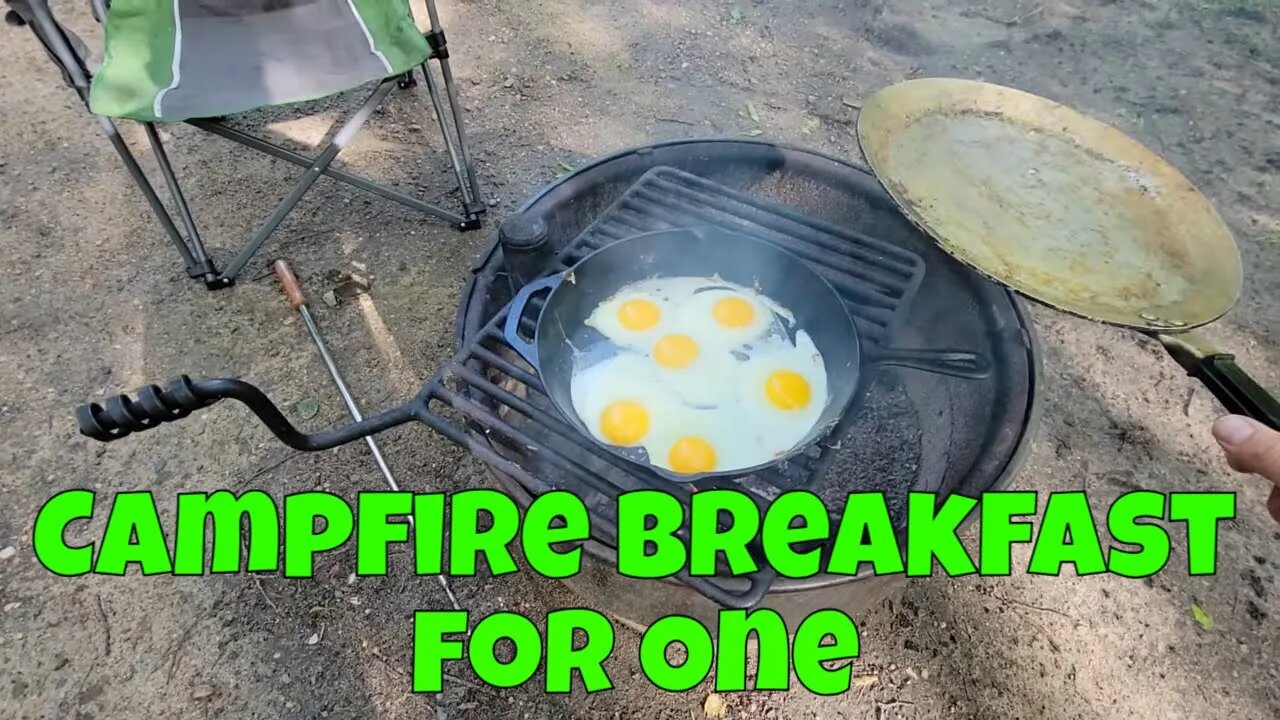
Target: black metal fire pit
{"x": 914, "y": 427}
{"x": 912, "y": 430}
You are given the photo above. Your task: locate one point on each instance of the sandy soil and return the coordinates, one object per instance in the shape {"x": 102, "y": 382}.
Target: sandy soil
{"x": 93, "y": 302}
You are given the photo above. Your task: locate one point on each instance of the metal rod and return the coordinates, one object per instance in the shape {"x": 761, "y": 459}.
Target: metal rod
{"x": 343, "y": 136}
{"x": 345, "y": 393}
{"x": 294, "y": 292}
{"x": 270, "y": 148}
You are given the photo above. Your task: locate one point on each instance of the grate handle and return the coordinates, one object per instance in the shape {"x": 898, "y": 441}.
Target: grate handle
{"x": 760, "y": 583}
{"x": 121, "y": 415}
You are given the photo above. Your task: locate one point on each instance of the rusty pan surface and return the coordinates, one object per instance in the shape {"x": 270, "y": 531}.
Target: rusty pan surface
{"x": 1056, "y": 205}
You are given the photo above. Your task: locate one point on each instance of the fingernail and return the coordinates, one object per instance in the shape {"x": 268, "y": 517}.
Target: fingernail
{"x": 1233, "y": 429}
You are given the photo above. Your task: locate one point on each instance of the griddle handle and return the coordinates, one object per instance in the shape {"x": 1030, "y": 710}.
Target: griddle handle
{"x": 515, "y": 311}
{"x": 121, "y": 415}
{"x": 1237, "y": 392}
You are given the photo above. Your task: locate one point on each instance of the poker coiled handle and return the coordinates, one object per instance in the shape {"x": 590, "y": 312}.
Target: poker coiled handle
{"x": 120, "y": 415}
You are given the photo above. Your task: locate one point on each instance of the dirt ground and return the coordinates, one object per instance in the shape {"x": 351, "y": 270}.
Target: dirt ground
{"x": 93, "y": 302}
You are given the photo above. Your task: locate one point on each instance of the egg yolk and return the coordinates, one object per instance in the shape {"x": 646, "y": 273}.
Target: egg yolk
{"x": 692, "y": 455}
{"x": 624, "y": 422}
{"x": 638, "y": 315}
{"x": 675, "y": 352}
{"x": 733, "y": 312}
{"x": 787, "y": 390}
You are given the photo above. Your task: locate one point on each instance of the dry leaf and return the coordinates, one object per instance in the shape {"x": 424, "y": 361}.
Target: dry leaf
{"x": 308, "y": 408}
{"x": 753, "y": 113}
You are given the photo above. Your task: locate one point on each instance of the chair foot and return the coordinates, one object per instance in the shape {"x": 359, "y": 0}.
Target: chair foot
{"x": 218, "y": 282}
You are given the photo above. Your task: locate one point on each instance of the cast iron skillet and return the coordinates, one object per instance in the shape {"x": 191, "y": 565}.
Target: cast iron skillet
{"x": 561, "y": 331}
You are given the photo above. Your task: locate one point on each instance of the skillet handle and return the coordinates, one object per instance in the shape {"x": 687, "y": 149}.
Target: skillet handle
{"x": 952, "y": 363}
{"x": 515, "y": 311}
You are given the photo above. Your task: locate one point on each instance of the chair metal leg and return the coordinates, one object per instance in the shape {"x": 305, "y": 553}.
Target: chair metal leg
{"x": 203, "y": 265}
{"x": 456, "y": 108}
{"x": 317, "y": 168}
{"x": 194, "y": 269}
{"x": 468, "y": 198}
{"x": 50, "y": 34}
{"x": 440, "y": 52}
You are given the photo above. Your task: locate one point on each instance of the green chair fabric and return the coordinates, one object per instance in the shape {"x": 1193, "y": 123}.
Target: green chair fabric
{"x": 173, "y": 60}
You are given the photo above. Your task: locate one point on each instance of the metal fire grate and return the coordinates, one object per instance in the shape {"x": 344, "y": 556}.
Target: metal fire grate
{"x": 876, "y": 279}
{"x": 515, "y": 427}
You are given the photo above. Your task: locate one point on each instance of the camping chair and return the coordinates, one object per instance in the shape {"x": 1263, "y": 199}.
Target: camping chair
{"x": 197, "y": 61}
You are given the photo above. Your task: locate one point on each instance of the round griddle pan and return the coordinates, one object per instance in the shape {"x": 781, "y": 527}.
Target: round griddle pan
{"x": 1066, "y": 210}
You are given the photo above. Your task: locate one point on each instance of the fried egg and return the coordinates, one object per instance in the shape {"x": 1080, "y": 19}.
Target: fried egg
{"x": 632, "y": 317}
{"x": 620, "y": 400}
{"x": 727, "y": 316}
{"x": 699, "y": 376}
{"x": 785, "y": 391}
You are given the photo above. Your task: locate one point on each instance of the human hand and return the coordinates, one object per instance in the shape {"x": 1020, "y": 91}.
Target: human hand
{"x": 1251, "y": 447}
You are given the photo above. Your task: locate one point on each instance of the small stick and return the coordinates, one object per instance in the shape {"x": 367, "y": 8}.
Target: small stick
{"x": 1029, "y": 606}
{"x": 80, "y": 686}
{"x": 452, "y": 678}
{"x": 274, "y": 465}
{"x": 177, "y": 647}
{"x": 106, "y": 625}
{"x": 1015, "y": 21}
{"x": 677, "y": 121}
{"x": 881, "y": 707}
{"x": 257, "y": 581}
